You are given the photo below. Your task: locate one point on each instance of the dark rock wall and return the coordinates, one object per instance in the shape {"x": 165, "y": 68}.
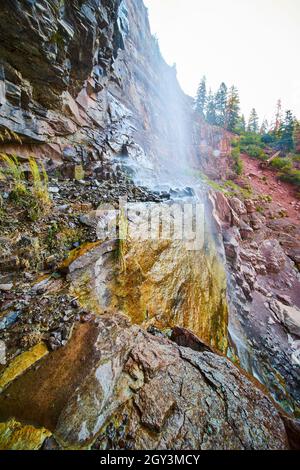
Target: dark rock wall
{"x": 49, "y": 49}
{"x": 138, "y": 391}
{"x": 85, "y": 80}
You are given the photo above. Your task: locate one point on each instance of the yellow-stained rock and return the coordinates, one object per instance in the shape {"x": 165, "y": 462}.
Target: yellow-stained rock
{"x": 159, "y": 282}
{"x": 166, "y": 285}
{"x": 22, "y": 363}
{"x": 15, "y": 436}
{"x": 78, "y": 172}
{"x": 77, "y": 253}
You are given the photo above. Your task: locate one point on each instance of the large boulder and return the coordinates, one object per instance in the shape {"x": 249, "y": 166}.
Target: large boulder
{"x": 274, "y": 257}
{"x": 115, "y": 385}
{"x": 289, "y": 316}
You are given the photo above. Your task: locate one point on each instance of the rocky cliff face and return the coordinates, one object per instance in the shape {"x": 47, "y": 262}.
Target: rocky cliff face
{"x": 139, "y": 391}
{"x": 120, "y": 109}
{"x": 264, "y": 295}
{"x": 84, "y": 88}
{"x": 85, "y": 82}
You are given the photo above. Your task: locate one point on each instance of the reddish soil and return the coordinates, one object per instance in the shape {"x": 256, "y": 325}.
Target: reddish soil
{"x": 282, "y": 193}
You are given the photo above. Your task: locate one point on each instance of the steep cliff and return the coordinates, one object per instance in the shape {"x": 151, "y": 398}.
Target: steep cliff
{"x": 120, "y": 109}
{"x": 83, "y": 88}
{"x": 86, "y": 82}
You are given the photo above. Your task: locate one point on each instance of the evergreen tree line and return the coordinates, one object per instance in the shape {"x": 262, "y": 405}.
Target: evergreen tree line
{"x": 220, "y": 109}
{"x": 223, "y": 109}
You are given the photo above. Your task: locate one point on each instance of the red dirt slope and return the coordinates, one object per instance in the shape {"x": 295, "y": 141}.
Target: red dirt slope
{"x": 282, "y": 193}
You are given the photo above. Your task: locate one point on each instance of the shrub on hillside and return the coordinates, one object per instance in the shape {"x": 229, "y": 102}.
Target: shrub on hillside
{"x": 291, "y": 176}
{"x": 252, "y": 144}
{"x": 268, "y": 139}
{"x": 250, "y": 138}
{"x": 281, "y": 163}
{"x": 295, "y": 157}
{"x": 35, "y": 200}
{"x": 254, "y": 151}
{"x": 238, "y": 163}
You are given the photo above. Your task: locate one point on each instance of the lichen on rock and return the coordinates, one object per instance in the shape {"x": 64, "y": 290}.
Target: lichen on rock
{"x": 21, "y": 363}
{"x": 16, "y": 436}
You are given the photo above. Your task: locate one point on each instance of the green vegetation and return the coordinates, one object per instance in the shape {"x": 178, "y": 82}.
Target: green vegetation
{"x": 265, "y": 198}
{"x": 245, "y": 191}
{"x": 252, "y": 144}
{"x": 34, "y": 199}
{"x": 201, "y": 98}
{"x": 253, "y": 122}
{"x": 40, "y": 183}
{"x": 228, "y": 187}
{"x": 287, "y": 171}
{"x": 238, "y": 163}
{"x": 233, "y": 109}
{"x": 249, "y": 143}
{"x": 294, "y": 157}
{"x": 255, "y": 151}
{"x": 223, "y": 109}
{"x": 281, "y": 163}
{"x": 14, "y": 170}
{"x": 291, "y": 176}
{"x": 220, "y": 103}
{"x": 9, "y": 136}
{"x": 57, "y": 39}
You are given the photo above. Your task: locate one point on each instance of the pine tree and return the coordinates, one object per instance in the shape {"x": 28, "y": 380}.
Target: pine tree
{"x": 278, "y": 117}
{"x": 220, "y": 104}
{"x": 296, "y": 136}
{"x": 286, "y": 132}
{"x": 211, "y": 109}
{"x": 253, "y": 121}
{"x": 242, "y": 123}
{"x": 264, "y": 127}
{"x": 232, "y": 109}
{"x": 201, "y": 98}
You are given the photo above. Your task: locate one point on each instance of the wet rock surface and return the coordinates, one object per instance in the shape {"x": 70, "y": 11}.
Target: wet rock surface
{"x": 105, "y": 389}
{"x": 81, "y": 106}
{"x": 158, "y": 282}
{"x": 90, "y": 106}
{"x": 263, "y": 331}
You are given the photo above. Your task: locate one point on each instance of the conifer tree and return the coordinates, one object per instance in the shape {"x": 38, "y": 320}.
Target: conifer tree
{"x": 278, "y": 117}
{"x": 211, "y": 109}
{"x": 221, "y": 104}
{"x": 253, "y": 121}
{"x": 264, "y": 127}
{"x": 232, "y": 109}
{"x": 286, "y": 132}
{"x": 201, "y": 97}
{"x": 296, "y": 136}
{"x": 242, "y": 123}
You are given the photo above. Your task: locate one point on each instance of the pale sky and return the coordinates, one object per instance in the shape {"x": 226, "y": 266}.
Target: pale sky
{"x": 253, "y": 44}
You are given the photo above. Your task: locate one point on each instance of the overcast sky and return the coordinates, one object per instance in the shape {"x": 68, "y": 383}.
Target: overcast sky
{"x": 254, "y": 44}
